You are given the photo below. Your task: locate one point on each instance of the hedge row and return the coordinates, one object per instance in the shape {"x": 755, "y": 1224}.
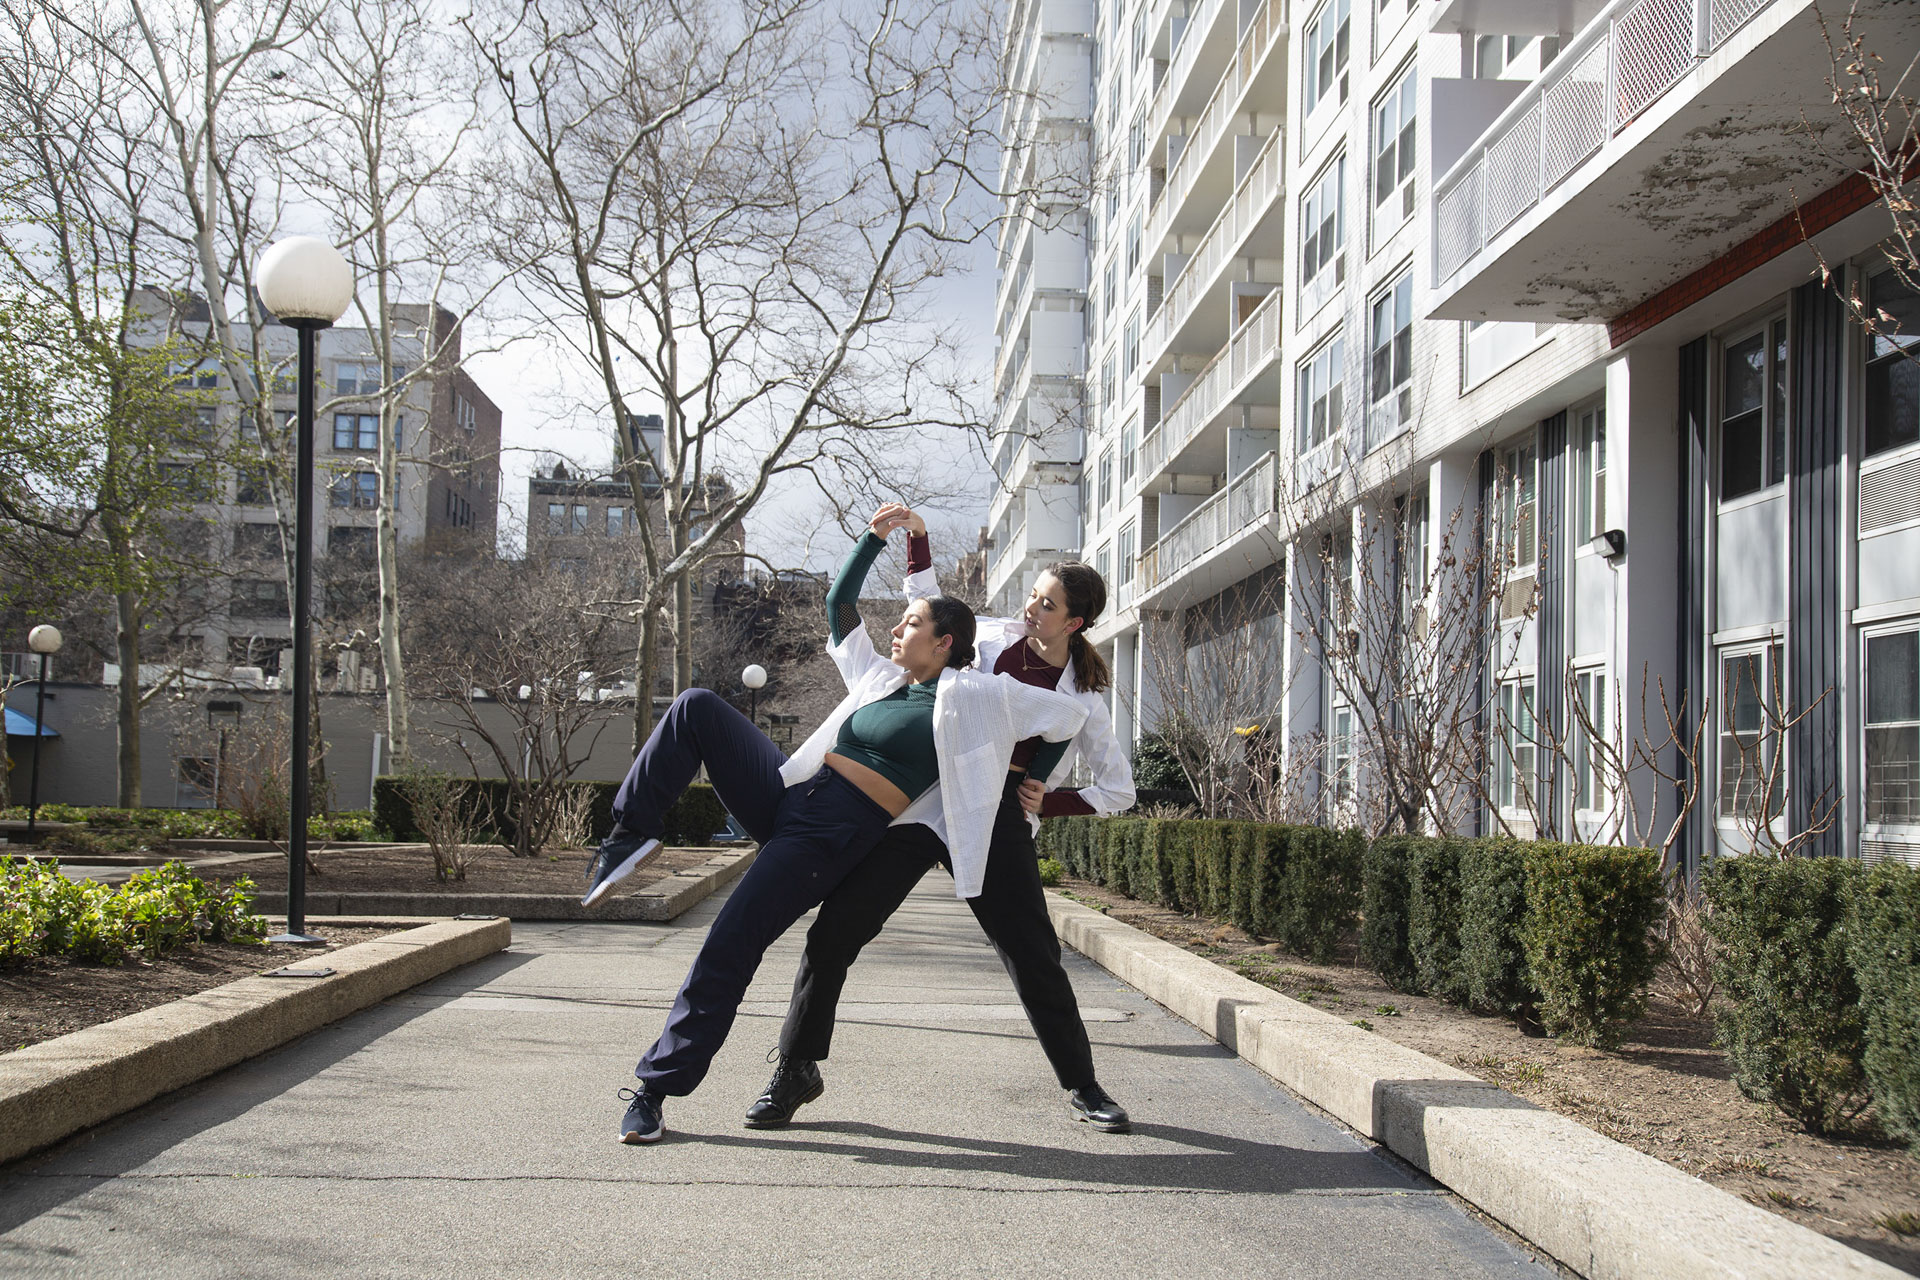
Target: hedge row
{"x": 692, "y": 820}
{"x": 1300, "y": 885}
{"x": 1562, "y": 931}
{"x": 1821, "y": 960}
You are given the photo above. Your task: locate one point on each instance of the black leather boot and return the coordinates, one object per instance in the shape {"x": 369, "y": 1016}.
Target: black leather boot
{"x": 1099, "y": 1110}
{"x": 795, "y": 1083}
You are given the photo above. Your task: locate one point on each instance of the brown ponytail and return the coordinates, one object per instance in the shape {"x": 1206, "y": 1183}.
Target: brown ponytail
{"x": 1086, "y": 593}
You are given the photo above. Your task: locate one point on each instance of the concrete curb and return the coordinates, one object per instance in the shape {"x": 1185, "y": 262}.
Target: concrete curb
{"x": 60, "y": 1086}
{"x": 1602, "y": 1208}
{"x": 663, "y": 900}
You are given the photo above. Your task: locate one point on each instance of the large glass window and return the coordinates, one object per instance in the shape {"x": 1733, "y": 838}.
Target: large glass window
{"x": 1893, "y": 727}
{"x": 1340, "y": 771}
{"x": 356, "y": 431}
{"x": 1514, "y": 746}
{"x": 1751, "y": 686}
{"x": 1126, "y": 552}
{"x": 1753, "y": 411}
{"x": 1325, "y": 65}
{"x": 1519, "y": 528}
{"x": 1393, "y": 156}
{"x": 354, "y": 489}
{"x": 1106, "y": 479}
{"x": 1390, "y": 363}
{"x": 1590, "y": 475}
{"x": 1589, "y": 726}
{"x": 1320, "y": 395}
{"x": 1893, "y": 376}
{"x": 1323, "y": 227}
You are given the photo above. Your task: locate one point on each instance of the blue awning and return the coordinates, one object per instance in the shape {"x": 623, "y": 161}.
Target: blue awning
{"x": 21, "y": 725}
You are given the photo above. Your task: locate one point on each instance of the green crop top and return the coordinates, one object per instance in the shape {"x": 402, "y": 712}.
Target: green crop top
{"x": 893, "y": 736}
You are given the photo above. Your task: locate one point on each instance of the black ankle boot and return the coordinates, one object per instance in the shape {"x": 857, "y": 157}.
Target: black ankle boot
{"x": 795, "y": 1083}
{"x": 1093, "y": 1105}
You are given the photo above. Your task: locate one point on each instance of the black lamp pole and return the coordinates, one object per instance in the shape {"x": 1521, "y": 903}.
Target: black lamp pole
{"x": 39, "y": 733}
{"x": 309, "y": 331}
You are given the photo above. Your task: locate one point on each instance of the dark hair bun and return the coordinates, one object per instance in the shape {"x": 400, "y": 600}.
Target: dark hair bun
{"x": 954, "y": 619}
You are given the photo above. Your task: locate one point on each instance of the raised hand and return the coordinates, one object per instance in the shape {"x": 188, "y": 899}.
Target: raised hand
{"x": 891, "y": 516}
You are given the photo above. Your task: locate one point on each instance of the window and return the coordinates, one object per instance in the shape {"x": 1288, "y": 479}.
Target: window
{"x": 1589, "y": 725}
{"x": 1103, "y": 563}
{"x": 1128, "y": 441}
{"x": 1513, "y": 764}
{"x": 617, "y": 521}
{"x": 556, "y": 518}
{"x": 1340, "y": 590}
{"x": 356, "y": 431}
{"x": 1106, "y": 480}
{"x": 202, "y": 376}
{"x": 1111, "y": 291}
{"x": 1320, "y": 395}
{"x": 1340, "y": 756}
{"x": 1323, "y": 227}
{"x": 253, "y": 488}
{"x": 258, "y": 598}
{"x": 1753, "y": 402}
{"x": 1133, "y": 245}
{"x": 1519, "y": 528}
{"x": 1325, "y": 70}
{"x": 1137, "y": 139}
{"x": 1126, "y": 555}
{"x": 1893, "y": 377}
{"x": 1130, "y": 345}
{"x": 1893, "y": 727}
{"x": 579, "y": 525}
{"x": 1414, "y": 569}
{"x": 256, "y": 543}
{"x": 1393, "y": 157}
{"x": 1390, "y": 371}
{"x": 188, "y": 480}
{"x": 197, "y": 425}
{"x": 354, "y": 489}
{"x": 1590, "y": 474}
{"x": 1751, "y": 683}
{"x": 353, "y": 541}
{"x": 353, "y": 378}
{"x": 465, "y": 415}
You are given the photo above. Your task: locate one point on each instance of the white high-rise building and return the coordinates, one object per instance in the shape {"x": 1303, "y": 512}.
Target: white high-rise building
{"x": 1468, "y": 367}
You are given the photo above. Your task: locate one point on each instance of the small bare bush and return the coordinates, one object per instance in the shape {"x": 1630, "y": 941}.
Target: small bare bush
{"x": 573, "y": 818}
{"x": 447, "y": 813}
{"x": 1686, "y": 976}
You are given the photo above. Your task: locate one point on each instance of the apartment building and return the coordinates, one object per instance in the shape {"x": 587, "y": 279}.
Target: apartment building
{"x": 1497, "y": 351}
{"x": 447, "y": 440}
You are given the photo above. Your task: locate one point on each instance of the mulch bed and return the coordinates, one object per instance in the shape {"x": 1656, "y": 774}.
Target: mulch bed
{"x": 409, "y": 869}
{"x": 49, "y": 996}
{"x": 1666, "y": 1091}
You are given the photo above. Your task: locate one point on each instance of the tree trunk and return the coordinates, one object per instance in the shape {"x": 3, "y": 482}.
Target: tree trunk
{"x": 645, "y": 655}
{"x": 683, "y": 633}
{"x": 126, "y": 640}
{"x": 387, "y": 552}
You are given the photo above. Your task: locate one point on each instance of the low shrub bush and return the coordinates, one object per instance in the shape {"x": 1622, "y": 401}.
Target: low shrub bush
{"x": 1433, "y": 919}
{"x": 1320, "y": 890}
{"x": 691, "y": 820}
{"x": 1589, "y": 936}
{"x": 1885, "y": 950}
{"x": 1791, "y": 1026}
{"x": 1050, "y": 873}
{"x": 1493, "y": 913}
{"x": 1383, "y": 912}
{"x": 155, "y": 913}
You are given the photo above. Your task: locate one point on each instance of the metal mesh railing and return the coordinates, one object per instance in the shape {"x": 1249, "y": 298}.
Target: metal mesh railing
{"x": 1729, "y": 16}
{"x": 1249, "y": 498}
{"x": 1512, "y": 173}
{"x": 1573, "y": 117}
{"x": 1653, "y": 46}
{"x": 1457, "y": 222}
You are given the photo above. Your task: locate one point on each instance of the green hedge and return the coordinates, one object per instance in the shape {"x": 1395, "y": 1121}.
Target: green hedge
{"x": 1384, "y": 924}
{"x": 1885, "y": 953}
{"x": 1589, "y": 936}
{"x": 155, "y": 913}
{"x": 1433, "y": 919}
{"x": 691, "y": 820}
{"x": 1791, "y": 1025}
{"x": 1493, "y": 920}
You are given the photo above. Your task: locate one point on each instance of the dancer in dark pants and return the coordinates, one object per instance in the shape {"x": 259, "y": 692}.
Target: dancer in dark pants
{"x": 820, "y": 813}
{"x": 1044, "y": 648}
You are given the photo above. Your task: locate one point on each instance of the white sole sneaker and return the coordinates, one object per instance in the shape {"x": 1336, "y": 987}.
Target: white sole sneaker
{"x": 604, "y": 886}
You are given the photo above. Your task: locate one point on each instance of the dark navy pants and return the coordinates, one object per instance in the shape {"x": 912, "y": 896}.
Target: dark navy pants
{"x": 811, "y": 836}
{"x": 1012, "y": 912}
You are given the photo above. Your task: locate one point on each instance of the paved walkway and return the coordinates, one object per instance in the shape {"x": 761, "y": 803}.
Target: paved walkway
{"x": 467, "y": 1129}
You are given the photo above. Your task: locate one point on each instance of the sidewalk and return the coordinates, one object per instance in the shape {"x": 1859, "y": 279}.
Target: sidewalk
{"x": 467, "y": 1128}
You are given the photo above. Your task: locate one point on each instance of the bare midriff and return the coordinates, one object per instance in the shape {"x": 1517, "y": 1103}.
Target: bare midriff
{"x": 873, "y": 785}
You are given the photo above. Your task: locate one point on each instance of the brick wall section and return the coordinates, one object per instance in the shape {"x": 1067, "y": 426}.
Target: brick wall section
{"x": 1809, "y": 220}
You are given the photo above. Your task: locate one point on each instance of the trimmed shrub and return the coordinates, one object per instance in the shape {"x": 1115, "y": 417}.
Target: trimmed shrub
{"x": 1050, "y": 872}
{"x": 1791, "y": 1026}
{"x": 1321, "y": 889}
{"x": 1176, "y": 865}
{"x": 153, "y": 914}
{"x": 1885, "y": 950}
{"x": 1493, "y": 913}
{"x": 1433, "y": 919}
{"x": 1213, "y": 867}
{"x": 691, "y": 820}
{"x": 1157, "y": 768}
{"x": 1589, "y": 937}
{"x": 1383, "y": 923}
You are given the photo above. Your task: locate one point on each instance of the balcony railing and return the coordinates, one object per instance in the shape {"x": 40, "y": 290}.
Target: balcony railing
{"x": 1257, "y": 192}
{"x": 1216, "y": 115}
{"x": 1180, "y": 65}
{"x": 1252, "y": 344}
{"x": 1251, "y": 497}
{"x": 1621, "y": 64}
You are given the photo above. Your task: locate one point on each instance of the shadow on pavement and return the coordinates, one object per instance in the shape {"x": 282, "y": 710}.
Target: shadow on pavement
{"x": 35, "y": 1184}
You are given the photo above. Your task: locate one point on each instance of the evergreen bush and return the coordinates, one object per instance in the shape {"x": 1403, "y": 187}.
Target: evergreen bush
{"x": 691, "y": 820}
{"x": 1493, "y": 912}
{"x": 1885, "y": 950}
{"x": 1320, "y": 890}
{"x": 1433, "y": 919}
{"x": 1383, "y": 913}
{"x": 1791, "y": 1025}
{"x": 1589, "y": 936}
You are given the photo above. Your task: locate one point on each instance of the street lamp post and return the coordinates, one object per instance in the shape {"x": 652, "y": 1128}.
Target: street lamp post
{"x": 755, "y": 678}
{"x": 44, "y": 640}
{"x": 307, "y": 285}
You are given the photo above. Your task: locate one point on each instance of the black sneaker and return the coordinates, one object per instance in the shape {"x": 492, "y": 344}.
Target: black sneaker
{"x": 642, "y": 1122}
{"x": 1094, "y": 1106}
{"x": 795, "y": 1083}
{"x": 619, "y": 854}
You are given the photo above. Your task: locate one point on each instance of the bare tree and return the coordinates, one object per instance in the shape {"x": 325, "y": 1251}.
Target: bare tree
{"x": 737, "y": 216}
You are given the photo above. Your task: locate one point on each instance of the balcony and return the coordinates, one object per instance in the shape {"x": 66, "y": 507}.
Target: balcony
{"x": 1663, "y": 135}
{"x": 1196, "y": 169}
{"x": 1223, "y": 540}
{"x": 1042, "y": 525}
{"x": 1208, "y": 29}
{"x": 1243, "y": 368}
{"x": 1254, "y": 212}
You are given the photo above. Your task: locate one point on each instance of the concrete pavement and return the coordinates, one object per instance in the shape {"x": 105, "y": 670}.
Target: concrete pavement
{"x": 466, "y": 1128}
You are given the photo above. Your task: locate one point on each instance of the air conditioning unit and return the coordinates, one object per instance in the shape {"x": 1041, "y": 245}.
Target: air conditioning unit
{"x": 254, "y": 676}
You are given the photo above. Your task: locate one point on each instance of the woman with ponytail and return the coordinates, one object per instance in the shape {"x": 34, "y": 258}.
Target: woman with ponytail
{"x": 1046, "y": 647}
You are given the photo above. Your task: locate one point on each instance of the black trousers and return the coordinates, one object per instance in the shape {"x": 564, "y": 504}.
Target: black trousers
{"x": 1011, "y": 909}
